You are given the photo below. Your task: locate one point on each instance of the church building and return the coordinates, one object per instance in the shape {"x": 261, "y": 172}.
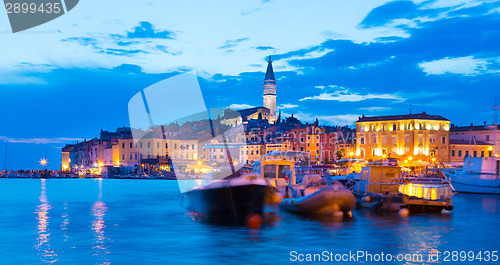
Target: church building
{"x": 267, "y": 111}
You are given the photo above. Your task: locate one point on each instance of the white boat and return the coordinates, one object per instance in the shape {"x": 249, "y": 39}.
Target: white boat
{"x": 478, "y": 175}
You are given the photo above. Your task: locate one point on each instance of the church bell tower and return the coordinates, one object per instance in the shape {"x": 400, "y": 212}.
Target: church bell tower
{"x": 270, "y": 91}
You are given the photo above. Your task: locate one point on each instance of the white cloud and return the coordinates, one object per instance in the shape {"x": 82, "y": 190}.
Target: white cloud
{"x": 240, "y": 106}
{"x": 460, "y": 65}
{"x": 287, "y": 106}
{"x": 374, "y": 109}
{"x": 344, "y": 95}
{"x": 39, "y": 140}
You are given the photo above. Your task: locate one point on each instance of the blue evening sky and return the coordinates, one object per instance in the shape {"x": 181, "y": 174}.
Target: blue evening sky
{"x": 333, "y": 59}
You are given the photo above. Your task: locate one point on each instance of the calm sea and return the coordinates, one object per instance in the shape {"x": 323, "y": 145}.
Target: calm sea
{"x": 86, "y": 221}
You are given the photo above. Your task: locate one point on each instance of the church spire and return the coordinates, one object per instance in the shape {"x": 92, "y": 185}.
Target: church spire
{"x": 269, "y": 72}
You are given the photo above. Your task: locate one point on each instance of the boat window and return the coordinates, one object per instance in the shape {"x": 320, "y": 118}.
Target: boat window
{"x": 269, "y": 171}
{"x": 282, "y": 170}
{"x": 364, "y": 175}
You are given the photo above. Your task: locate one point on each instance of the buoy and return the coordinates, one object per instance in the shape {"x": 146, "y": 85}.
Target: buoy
{"x": 404, "y": 212}
{"x": 366, "y": 199}
{"x": 254, "y": 221}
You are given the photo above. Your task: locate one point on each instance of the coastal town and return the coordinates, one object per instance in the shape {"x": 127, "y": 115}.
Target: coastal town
{"x": 415, "y": 139}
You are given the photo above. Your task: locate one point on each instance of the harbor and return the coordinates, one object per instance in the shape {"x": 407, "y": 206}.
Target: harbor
{"x": 97, "y": 221}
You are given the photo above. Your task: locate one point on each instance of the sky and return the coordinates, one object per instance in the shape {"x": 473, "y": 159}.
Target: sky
{"x": 334, "y": 60}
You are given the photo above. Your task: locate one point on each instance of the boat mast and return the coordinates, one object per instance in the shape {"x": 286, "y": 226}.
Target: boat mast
{"x": 495, "y": 127}
{"x": 5, "y": 158}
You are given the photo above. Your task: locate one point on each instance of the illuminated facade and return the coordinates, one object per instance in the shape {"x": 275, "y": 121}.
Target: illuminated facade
{"x": 459, "y": 149}
{"x": 407, "y": 137}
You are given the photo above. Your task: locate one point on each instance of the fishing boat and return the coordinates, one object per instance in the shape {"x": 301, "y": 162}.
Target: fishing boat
{"x": 306, "y": 194}
{"x": 241, "y": 194}
{"x": 384, "y": 187}
{"x": 478, "y": 175}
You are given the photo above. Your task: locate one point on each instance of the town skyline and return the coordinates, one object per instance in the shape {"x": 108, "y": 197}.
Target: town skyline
{"x": 348, "y": 59}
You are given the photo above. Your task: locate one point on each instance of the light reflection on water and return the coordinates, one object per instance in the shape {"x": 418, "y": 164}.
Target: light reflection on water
{"x": 43, "y": 240}
{"x": 98, "y": 226}
{"x": 84, "y": 221}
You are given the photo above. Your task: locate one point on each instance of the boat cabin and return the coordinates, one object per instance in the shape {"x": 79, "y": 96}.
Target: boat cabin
{"x": 483, "y": 165}
{"x": 378, "y": 179}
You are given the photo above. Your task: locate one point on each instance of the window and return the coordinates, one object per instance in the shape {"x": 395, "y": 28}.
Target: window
{"x": 301, "y": 148}
{"x": 175, "y": 146}
{"x": 187, "y": 147}
{"x": 130, "y": 156}
{"x": 308, "y": 145}
{"x": 149, "y": 144}
{"x": 384, "y": 139}
{"x": 192, "y": 146}
{"x": 157, "y": 144}
{"x": 221, "y": 156}
{"x": 166, "y": 145}
{"x": 443, "y": 140}
{"x": 308, "y": 137}
{"x": 394, "y": 127}
{"x": 475, "y": 153}
{"x": 420, "y": 139}
{"x": 130, "y": 145}
{"x": 453, "y": 152}
{"x": 362, "y": 140}
{"x": 482, "y": 153}
{"x": 487, "y": 137}
{"x": 374, "y": 140}
{"x": 466, "y": 153}
{"x": 394, "y": 139}
{"x": 135, "y": 156}
{"x": 123, "y": 156}
{"x": 123, "y": 145}
{"x": 490, "y": 153}
{"x": 407, "y": 138}
{"x": 140, "y": 145}
{"x": 301, "y": 139}
{"x": 459, "y": 153}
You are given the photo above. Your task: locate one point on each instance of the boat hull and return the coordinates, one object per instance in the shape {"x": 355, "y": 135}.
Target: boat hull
{"x": 326, "y": 201}
{"x": 475, "y": 183}
{"x": 241, "y": 200}
{"x": 380, "y": 202}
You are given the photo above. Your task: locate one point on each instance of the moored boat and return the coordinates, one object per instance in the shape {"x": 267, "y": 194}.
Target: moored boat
{"x": 242, "y": 195}
{"x": 478, "y": 175}
{"x": 305, "y": 194}
{"x": 383, "y": 187}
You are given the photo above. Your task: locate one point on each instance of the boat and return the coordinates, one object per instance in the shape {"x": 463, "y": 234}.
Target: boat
{"x": 241, "y": 195}
{"x": 383, "y": 187}
{"x": 478, "y": 175}
{"x": 305, "y": 194}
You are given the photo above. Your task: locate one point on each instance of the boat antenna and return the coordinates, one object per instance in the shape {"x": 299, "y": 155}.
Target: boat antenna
{"x": 5, "y": 158}
{"x": 495, "y": 126}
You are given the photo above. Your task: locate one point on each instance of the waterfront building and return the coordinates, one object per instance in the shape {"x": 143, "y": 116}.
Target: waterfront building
{"x": 251, "y": 152}
{"x": 417, "y": 137}
{"x": 459, "y": 149}
{"x": 478, "y": 133}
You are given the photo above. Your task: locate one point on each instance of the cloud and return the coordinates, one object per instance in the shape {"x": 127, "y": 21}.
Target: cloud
{"x": 232, "y": 43}
{"x": 467, "y": 65}
{"x": 146, "y": 30}
{"x": 345, "y": 96}
{"x": 374, "y": 109}
{"x": 240, "y": 106}
{"x": 264, "y": 48}
{"x": 39, "y": 140}
{"x": 287, "y": 106}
